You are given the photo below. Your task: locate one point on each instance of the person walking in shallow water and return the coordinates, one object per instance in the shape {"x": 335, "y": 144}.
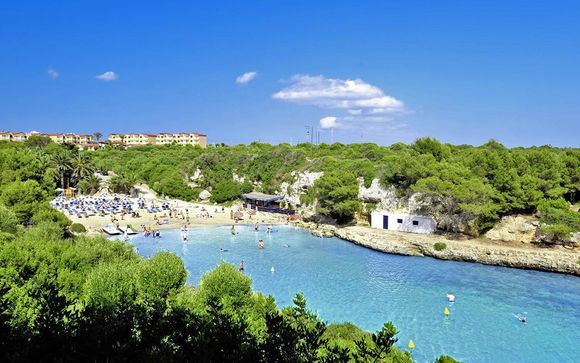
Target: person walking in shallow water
{"x": 242, "y": 266}
{"x": 261, "y": 244}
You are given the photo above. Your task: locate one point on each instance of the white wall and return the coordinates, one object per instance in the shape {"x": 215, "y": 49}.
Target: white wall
{"x": 426, "y": 224}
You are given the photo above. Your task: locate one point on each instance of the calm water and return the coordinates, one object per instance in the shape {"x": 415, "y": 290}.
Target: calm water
{"x": 345, "y": 282}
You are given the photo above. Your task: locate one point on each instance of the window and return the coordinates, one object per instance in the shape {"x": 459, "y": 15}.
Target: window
{"x": 415, "y": 223}
{"x": 399, "y": 220}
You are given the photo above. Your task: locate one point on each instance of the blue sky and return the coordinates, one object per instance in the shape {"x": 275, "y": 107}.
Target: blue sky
{"x": 378, "y": 71}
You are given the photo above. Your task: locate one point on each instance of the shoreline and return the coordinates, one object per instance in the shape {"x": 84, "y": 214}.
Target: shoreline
{"x": 515, "y": 255}
{"x": 555, "y": 259}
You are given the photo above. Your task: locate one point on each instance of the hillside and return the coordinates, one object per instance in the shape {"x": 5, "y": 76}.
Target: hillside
{"x": 467, "y": 189}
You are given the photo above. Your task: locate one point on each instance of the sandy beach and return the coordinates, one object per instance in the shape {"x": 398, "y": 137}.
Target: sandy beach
{"x": 94, "y": 224}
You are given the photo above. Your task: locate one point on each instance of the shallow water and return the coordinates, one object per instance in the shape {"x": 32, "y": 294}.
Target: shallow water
{"x": 346, "y": 282}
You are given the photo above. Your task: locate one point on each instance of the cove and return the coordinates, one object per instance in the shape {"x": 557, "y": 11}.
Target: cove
{"x": 345, "y": 282}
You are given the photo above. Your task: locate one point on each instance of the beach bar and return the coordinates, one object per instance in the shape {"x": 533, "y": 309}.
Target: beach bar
{"x": 265, "y": 203}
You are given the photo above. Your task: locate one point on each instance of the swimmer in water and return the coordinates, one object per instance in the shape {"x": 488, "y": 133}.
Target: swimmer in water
{"x": 223, "y": 250}
{"x": 522, "y": 318}
{"x": 261, "y": 244}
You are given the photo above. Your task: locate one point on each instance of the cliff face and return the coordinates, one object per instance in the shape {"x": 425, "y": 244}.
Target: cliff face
{"x": 302, "y": 181}
{"x": 385, "y": 198}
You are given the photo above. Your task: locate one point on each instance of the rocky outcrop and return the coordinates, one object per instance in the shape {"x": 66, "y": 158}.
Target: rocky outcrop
{"x": 557, "y": 259}
{"x": 385, "y": 198}
{"x": 302, "y": 181}
{"x": 204, "y": 195}
{"x": 197, "y": 175}
{"x": 517, "y": 228}
{"x": 445, "y": 211}
{"x": 238, "y": 179}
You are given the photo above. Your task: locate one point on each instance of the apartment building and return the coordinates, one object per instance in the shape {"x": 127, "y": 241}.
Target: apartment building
{"x": 139, "y": 139}
{"x": 180, "y": 138}
{"x": 84, "y": 141}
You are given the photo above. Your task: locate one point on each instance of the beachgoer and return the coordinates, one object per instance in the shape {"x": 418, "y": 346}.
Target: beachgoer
{"x": 451, "y": 297}
{"x": 233, "y": 230}
{"x": 257, "y": 227}
{"x": 242, "y": 266}
{"x": 261, "y": 244}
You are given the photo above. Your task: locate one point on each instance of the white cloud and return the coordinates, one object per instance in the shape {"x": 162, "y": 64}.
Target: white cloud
{"x": 337, "y": 93}
{"x": 52, "y": 73}
{"x": 359, "y": 105}
{"x": 246, "y": 77}
{"x": 328, "y": 122}
{"x": 107, "y": 76}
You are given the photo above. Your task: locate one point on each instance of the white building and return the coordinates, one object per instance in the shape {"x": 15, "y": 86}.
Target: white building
{"x": 403, "y": 222}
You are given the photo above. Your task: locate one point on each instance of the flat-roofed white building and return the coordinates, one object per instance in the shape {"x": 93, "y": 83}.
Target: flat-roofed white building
{"x": 403, "y": 222}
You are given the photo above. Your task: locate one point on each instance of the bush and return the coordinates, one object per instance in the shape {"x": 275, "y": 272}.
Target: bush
{"x": 225, "y": 191}
{"x": 77, "y": 228}
{"x": 439, "y": 246}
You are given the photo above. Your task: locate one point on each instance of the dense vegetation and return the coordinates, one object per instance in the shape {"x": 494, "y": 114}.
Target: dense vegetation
{"x": 67, "y": 297}
{"x": 474, "y": 185}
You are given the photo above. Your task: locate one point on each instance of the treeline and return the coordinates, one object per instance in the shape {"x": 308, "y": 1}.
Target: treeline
{"x": 475, "y": 185}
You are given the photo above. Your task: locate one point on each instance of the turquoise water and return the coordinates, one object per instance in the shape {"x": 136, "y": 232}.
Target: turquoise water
{"x": 346, "y": 282}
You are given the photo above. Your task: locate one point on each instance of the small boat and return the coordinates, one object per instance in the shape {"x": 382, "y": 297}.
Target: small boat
{"x": 111, "y": 230}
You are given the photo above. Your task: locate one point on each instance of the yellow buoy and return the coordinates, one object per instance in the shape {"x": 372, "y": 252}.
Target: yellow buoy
{"x": 446, "y": 312}
{"x": 411, "y": 344}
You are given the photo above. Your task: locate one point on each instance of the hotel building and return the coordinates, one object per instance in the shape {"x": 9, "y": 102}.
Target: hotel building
{"x": 179, "y": 138}
{"x": 83, "y": 141}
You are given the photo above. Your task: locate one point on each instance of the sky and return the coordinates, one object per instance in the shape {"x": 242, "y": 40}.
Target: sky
{"x": 383, "y": 71}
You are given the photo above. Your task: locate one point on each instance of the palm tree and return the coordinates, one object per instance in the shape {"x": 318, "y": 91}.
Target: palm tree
{"x": 82, "y": 167}
{"x": 97, "y": 135}
{"x": 62, "y": 165}
{"x": 90, "y": 185}
{"x": 123, "y": 183}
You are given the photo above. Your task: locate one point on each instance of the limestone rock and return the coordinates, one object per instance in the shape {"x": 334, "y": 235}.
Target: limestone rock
{"x": 302, "y": 181}
{"x": 517, "y": 228}
{"x": 238, "y": 179}
{"x": 204, "y": 195}
{"x": 385, "y": 198}
{"x": 197, "y": 175}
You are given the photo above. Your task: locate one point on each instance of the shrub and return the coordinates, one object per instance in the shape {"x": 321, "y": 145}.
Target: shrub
{"x": 77, "y": 228}
{"x": 439, "y": 246}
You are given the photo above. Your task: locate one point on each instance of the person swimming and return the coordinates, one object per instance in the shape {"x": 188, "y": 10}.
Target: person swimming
{"x": 223, "y": 250}
{"x": 521, "y": 318}
{"x": 451, "y": 297}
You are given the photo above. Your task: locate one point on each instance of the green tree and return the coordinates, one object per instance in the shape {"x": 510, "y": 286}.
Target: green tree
{"x": 337, "y": 195}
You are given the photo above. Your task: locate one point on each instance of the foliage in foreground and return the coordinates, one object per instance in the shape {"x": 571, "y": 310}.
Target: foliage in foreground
{"x": 82, "y": 298}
